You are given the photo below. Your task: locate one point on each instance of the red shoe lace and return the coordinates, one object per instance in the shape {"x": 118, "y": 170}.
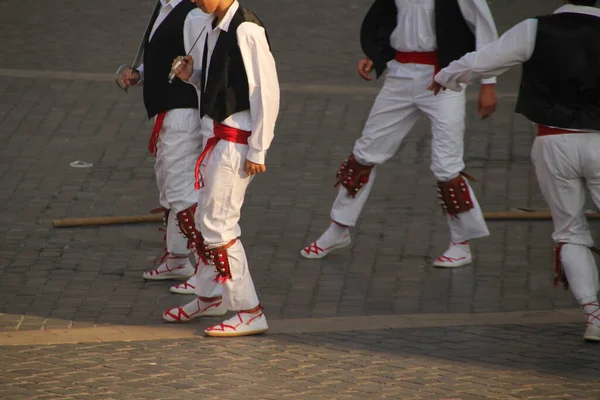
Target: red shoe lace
{"x": 450, "y": 259}
{"x": 185, "y": 286}
{"x": 167, "y": 268}
{"x": 594, "y": 315}
{"x": 313, "y": 248}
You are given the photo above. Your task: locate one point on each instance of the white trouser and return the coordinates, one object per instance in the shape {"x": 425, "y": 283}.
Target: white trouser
{"x": 218, "y": 214}
{"x": 564, "y": 165}
{"x": 403, "y": 99}
{"x": 179, "y": 145}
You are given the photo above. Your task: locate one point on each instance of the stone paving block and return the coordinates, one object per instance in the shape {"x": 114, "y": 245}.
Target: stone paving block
{"x": 79, "y": 277}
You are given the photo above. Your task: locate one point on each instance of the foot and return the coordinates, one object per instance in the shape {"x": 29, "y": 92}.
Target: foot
{"x": 176, "y": 267}
{"x": 195, "y": 309}
{"x": 592, "y": 315}
{"x": 241, "y": 324}
{"x": 592, "y": 333}
{"x": 188, "y": 287}
{"x": 457, "y": 255}
{"x": 335, "y": 237}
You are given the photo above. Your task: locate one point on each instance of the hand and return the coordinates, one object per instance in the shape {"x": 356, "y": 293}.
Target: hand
{"x": 487, "y": 100}
{"x": 365, "y": 66}
{"x": 131, "y": 77}
{"x": 185, "y": 69}
{"x": 253, "y": 168}
{"x": 436, "y": 87}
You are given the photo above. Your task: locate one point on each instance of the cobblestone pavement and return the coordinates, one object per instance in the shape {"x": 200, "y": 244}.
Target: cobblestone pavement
{"x": 58, "y": 104}
{"x": 508, "y": 362}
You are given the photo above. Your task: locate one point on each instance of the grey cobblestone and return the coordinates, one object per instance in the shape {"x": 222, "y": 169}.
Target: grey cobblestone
{"x": 72, "y": 278}
{"x": 506, "y": 362}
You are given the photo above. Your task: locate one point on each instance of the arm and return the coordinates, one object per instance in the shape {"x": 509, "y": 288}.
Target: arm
{"x": 140, "y": 69}
{"x": 513, "y": 48}
{"x": 263, "y": 88}
{"x": 375, "y": 31}
{"x": 193, "y": 28}
{"x": 195, "y": 79}
{"x": 478, "y": 16}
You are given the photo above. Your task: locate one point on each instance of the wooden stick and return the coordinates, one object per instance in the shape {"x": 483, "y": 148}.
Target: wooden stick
{"x": 526, "y": 215}
{"x": 94, "y": 221}
{"x": 141, "y": 219}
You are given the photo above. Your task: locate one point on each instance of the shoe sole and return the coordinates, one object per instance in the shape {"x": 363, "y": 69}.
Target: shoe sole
{"x": 181, "y": 321}
{"x": 591, "y": 338}
{"x": 448, "y": 265}
{"x": 177, "y": 291}
{"x": 325, "y": 252}
{"x": 167, "y": 277}
{"x": 235, "y": 334}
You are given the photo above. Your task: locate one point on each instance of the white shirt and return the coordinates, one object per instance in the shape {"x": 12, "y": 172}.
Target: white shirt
{"x": 193, "y": 38}
{"x": 415, "y": 28}
{"x": 167, "y": 7}
{"x": 513, "y": 48}
{"x": 262, "y": 82}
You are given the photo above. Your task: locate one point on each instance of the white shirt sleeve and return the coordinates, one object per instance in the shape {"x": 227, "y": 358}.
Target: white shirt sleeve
{"x": 194, "y": 34}
{"x": 263, "y": 87}
{"x": 514, "y": 47}
{"x": 140, "y": 69}
{"x": 196, "y": 78}
{"x": 478, "y": 16}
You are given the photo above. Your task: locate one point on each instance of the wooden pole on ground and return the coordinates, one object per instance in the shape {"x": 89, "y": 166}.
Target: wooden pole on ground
{"x": 98, "y": 221}
{"x": 525, "y": 215}
{"x": 522, "y": 215}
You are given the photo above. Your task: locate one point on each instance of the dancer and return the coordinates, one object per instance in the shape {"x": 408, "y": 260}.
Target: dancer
{"x": 413, "y": 39}
{"x": 559, "y": 93}
{"x": 175, "y": 139}
{"x": 239, "y": 103}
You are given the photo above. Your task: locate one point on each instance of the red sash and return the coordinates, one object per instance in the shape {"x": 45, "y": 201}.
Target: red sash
{"x": 416, "y": 57}
{"x": 543, "y": 130}
{"x": 220, "y": 132}
{"x": 153, "y": 145}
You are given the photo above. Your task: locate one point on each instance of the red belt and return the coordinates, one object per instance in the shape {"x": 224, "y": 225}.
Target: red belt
{"x": 153, "y": 145}
{"x": 223, "y": 132}
{"x": 543, "y": 130}
{"x": 416, "y": 57}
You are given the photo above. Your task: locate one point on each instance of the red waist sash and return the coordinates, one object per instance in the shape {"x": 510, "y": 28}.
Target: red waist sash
{"x": 543, "y": 130}
{"x": 153, "y": 145}
{"x": 220, "y": 132}
{"x": 419, "y": 57}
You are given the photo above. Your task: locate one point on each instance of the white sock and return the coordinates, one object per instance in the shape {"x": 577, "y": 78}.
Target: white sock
{"x": 457, "y": 250}
{"x": 333, "y": 235}
{"x": 177, "y": 260}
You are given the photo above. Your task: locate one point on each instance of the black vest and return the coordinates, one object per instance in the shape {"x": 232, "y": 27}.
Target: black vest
{"x": 165, "y": 46}
{"x": 453, "y": 36}
{"x": 226, "y": 89}
{"x": 560, "y": 82}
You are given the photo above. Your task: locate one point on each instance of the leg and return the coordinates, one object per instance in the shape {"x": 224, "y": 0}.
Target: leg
{"x": 179, "y": 144}
{"x": 446, "y": 112}
{"x": 226, "y": 182}
{"x": 393, "y": 115}
{"x": 557, "y": 168}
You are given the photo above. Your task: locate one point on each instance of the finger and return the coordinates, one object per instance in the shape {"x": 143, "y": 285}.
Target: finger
{"x": 364, "y": 69}
{"x": 364, "y": 75}
{"x": 486, "y": 112}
